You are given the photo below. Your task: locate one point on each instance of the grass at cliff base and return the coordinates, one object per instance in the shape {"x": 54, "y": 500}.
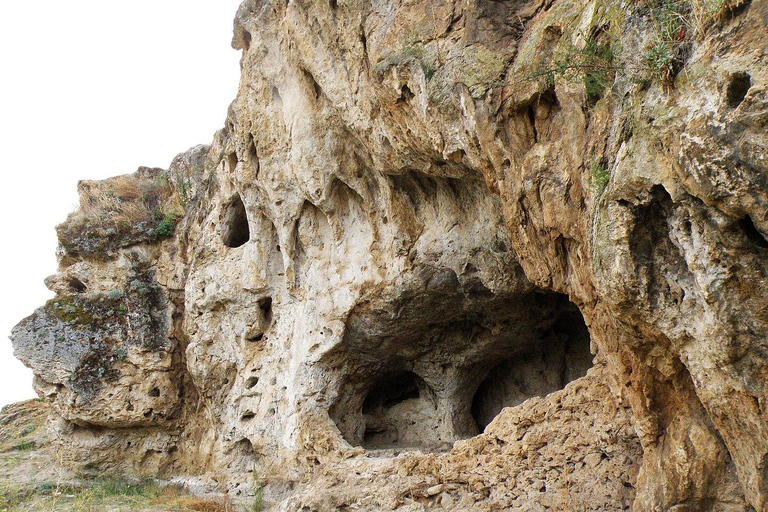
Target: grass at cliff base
{"x": 30, "y": 479}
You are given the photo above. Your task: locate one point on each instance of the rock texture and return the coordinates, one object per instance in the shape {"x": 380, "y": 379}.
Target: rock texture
{"x": 465, "y": 255}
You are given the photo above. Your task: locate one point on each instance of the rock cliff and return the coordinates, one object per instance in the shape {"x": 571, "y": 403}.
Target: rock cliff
{"x": 455, "y": 254}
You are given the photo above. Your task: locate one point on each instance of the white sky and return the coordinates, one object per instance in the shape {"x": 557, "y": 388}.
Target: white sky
{"x": 91, "y": 89}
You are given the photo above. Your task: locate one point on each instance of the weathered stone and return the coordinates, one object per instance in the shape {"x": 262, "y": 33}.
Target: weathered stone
{"x": 400, "y": 259}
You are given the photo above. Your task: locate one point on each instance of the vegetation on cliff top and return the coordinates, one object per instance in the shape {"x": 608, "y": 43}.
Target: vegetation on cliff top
{"x": 120, "y": 212}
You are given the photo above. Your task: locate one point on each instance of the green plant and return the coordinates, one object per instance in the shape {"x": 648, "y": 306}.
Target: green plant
{"x": 599, "y": 176}
{"x": 121, "y": 353}
{"x": 121, "y": 486}
{"x": 662, "y": 61}
{"x": 167, "y": 226}
{"x": 258, "y": 493}
{"x": 413, "y": 53}
{"x": 12, "y": 495}
{"x": 592, "y": 65}
{"x": 24, "y": 446}
{"x": 600, "y": 70}
{"x": 664, "y": 56}
{"x": 116, "y": 295}
{"x": 429, "y": 70}
{"x": 676, "y": 24}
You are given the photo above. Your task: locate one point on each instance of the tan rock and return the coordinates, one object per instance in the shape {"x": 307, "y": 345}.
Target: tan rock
{"x": 400, "y": 256}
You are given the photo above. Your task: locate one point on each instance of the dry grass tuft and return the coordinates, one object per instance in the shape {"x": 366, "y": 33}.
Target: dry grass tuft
{"x": 677, "y": 25}
{"x": 120, "y": 212}
{"x": 201, "y": 504}
{"x": 128, "y": 199}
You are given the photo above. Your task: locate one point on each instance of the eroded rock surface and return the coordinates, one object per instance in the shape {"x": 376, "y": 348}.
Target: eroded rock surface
{"x": 469, "y": 255}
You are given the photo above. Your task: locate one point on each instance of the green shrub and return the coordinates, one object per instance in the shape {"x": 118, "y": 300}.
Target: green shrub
{"x": 258, "y": 501}
{"x": 24, "y": 446}
{"x": 677, "y": 23}
{"x": 116, "y": 295}
{"x": 599, "y": 176}
{"x": 592, "y": 65}
{"x": 662, "y": 61}
{"x": 167, "y": 226}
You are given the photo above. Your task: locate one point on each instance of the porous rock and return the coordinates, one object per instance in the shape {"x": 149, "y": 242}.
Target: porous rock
{"x": 424, "y": 266}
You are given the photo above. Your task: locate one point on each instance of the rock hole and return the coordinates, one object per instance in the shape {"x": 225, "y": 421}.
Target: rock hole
{"x": 232, "y": 162}
{"x": 276, "y": 95}
{"x": 244, "y": 448}
{"x": 752, "y": 233}
{"x": 539, "y": 114}
{"x": 318, "y": 91}
{"x": 251, "y": 382}
{"x": 155, "y": 392}
{"x": 405, "y": 95}
{"x": 532, "y": 118}
{"x": 248, "y": 416}
{"x": 396, "y": 412}
{"x": 77, "y": 285}
{"x": 312, "y": 234}
{"x": 253, "y": 155}
{"x": 561, "y": 355}
{"x": 235, "y": 229}
{"x": 738, "y": 87}
{"x": 457, "y": 156}
{"x": 148, "y": 413}
{"x": 256, "y": 338}
{"x": 252, "y": 151}
{"x": 265, "y": 305}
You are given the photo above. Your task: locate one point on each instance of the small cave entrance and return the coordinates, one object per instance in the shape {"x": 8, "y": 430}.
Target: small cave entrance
{"x": 737, "y": 88}
{"x": 77, "y": 286}
{"x": 398, "y": 412}
{"x": 561, "y": 356}
{"x": 235, "y": 230}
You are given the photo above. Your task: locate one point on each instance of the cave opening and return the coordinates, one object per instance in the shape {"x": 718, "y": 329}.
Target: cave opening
{"x": 737, "y": 89}
{"x": 265, "y": 306}
{"x": 397, "y": 412}
{"x": 433, "y": 376}
{"x": 562, "y": 355}
{"x": 77, "y": 285}
{"x": 235, "y": 229}
{"x": 752, "y": 233}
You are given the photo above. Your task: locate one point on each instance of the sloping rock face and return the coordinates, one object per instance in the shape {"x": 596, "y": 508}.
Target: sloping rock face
{"x": 469, "y": 255}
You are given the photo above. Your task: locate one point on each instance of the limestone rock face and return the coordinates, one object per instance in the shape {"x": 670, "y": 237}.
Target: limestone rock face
{"x": 466, "y": 255}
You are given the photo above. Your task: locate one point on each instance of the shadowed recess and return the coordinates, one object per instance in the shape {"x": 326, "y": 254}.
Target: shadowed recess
{"x": 235, "y": 231}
